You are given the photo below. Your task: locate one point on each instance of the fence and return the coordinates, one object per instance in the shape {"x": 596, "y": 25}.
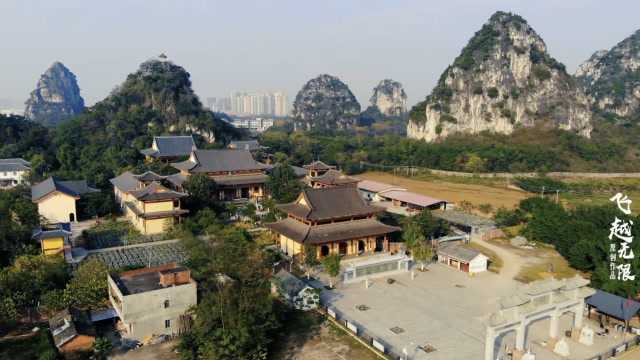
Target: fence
{"x": 618, "y": 349}
{"x": 374, "y": 343}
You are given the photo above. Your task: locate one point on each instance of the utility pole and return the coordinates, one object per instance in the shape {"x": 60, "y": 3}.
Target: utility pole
{"x": 542, "y": 194}
{"x": 557, "y": 196}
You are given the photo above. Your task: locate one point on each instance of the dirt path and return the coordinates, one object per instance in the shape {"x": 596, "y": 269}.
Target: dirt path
{"x": 511, "y": 262}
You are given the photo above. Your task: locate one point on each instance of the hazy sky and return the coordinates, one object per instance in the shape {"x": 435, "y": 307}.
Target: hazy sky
{"x": 267, "y": 45}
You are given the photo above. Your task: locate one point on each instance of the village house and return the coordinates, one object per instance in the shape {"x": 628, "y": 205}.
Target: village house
{"x": 66, "y": 335}
{"x": 54, "y": 240}
{"x": 152, "y": 301}
{"x": 57, "y": 199}
{"x": 332, "y": 220}
{"x": 13, "y": 172}
{"x": 462, "y": 258}
{"x": 238, "y": 175}
{"x": 317, "y": 168}
{"x": 398, "y": 197}
{"x": 169, "y": 148}
{"x": 150, "y": 206}
{"x": 371, "y": 190}
{"x": 332, "y": 178}
{"x": 295, "y": 291}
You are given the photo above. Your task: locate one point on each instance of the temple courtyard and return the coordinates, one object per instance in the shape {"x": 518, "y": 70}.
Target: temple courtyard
{"x": 446, "y": 310}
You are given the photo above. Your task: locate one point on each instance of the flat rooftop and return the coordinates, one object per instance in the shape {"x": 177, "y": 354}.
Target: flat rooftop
{"x": 139, "y": 281}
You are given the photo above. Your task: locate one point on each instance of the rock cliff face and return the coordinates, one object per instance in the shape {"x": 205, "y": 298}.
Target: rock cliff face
{"x": 503, "y": 79}
{"x": 325, "y": 102}
{"x": 611, "y": 79}
{"x": 389, "y": 97}
{"x": 56, "y": 97}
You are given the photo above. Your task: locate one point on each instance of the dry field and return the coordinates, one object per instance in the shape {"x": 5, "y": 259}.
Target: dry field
{"x": 452, "y": 191}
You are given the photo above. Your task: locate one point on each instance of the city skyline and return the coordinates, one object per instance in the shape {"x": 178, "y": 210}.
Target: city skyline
{"x": 280, "y": 46}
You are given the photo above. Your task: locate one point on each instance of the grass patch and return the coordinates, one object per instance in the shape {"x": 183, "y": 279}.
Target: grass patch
{"x": 495, "y": 261}
{"x": 551, "y": 264}
{"x": 34, "y": 347}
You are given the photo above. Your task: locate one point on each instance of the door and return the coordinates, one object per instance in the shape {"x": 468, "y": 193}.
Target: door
{"x": 342, "y": 248}
{"x": 72, "y": 217}
{"x": 361, "y": 246}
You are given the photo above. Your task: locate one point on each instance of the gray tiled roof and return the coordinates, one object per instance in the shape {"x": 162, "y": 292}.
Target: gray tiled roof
{"x": 125, "y": 182}
{"x": 330, "y": 203}
{"x": 171, "y": 146}
{"x": 338, "y": 231}
{"x": 318, "y": 165}
{"x": 220, "y": 160}
{"x": 14, "y": 164}
{"x": 156, "y": 192}
{"x": 62, "y": 328}
{"x": 73, "y": 188}
{"x": 457, "y": 251}
{"x": 334, "y": 177}
{"x": 15, "y": 161}
{"x": 289, "y": 283}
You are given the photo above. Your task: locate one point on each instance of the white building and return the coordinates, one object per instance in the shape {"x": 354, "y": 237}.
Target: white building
{"x": 462, "y": 258}
{"x": 13, "y": 172}
{"x": 152, "y": 301}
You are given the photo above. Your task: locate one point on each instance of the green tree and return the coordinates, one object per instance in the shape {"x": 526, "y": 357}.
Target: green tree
{"x": 331, "y": 265}
{"x": 203, "y": 192}
{"x": 88, "y": 289}
{"x": 310, "y": 258}
{"x": 102, "y": 347}
{"x": 422, "y": 252}
{"x": 283, "y": 185}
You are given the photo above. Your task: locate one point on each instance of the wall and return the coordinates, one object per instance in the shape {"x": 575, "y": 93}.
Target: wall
{"x": 158, "y": 206}
{"x": 289, "y": 246}
{"x": 56, "y": 207}
{"x": 52, "y": 246}
{"x": 145, "y": 312}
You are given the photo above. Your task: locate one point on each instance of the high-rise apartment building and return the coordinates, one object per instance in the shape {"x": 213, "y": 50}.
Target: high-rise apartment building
{"x": 254, "y": 103}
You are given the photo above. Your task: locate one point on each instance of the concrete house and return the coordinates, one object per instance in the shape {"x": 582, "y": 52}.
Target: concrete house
{"x": 13, "y": 172}
{"x": 169, "y": 148}
{"x": 152, "y": 301}
{"x": 150, "y": 206}
{"x": 238, "y": 175}
{"x": 56, "y": 199}
{"x": 462, "y": 258}
{"x": 332, "y": 220}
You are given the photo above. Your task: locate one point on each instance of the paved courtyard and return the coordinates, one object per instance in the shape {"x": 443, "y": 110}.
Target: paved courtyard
{"x": 442, "y": 307}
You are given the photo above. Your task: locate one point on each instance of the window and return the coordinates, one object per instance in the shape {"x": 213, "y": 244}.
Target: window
{"x": 167, "y": 324}
{"x": 166, "y": 304}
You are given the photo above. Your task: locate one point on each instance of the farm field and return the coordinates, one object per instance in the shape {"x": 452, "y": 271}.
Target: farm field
{"x": 476, "y": 194}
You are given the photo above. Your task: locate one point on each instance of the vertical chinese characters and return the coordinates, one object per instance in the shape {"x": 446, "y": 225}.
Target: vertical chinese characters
{"x": 621, "y": 238}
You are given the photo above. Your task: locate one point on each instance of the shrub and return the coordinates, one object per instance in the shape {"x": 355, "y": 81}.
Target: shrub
{"x": 477, "y": 89}
{"x": 541, "y": 72}
{"x": 493, "y": 92}
{"x": 505, "y": 217}
{"x": 536, "y": 185}
{"x": 448, "y": 118}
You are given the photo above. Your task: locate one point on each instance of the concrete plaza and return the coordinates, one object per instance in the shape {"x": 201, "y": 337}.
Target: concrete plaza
{"x": 443, "y": 308}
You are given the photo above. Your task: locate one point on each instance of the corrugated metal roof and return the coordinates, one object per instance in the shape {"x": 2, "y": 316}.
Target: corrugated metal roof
{"x": 411, "y": 198}
{"x": 458, "y": 252}
{"x": 374, "y": 186}
{"x": 614, "y": 305}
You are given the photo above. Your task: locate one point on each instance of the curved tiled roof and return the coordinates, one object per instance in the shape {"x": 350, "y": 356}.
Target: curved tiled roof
{"x": 220, "y": 161}
{"x": 330, "y": 203}
{"x": 73, "y": 188}
{"x": 338, "y": 231}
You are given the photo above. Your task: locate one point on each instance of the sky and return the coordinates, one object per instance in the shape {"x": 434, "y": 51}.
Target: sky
{"x": 238, "y": 45}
